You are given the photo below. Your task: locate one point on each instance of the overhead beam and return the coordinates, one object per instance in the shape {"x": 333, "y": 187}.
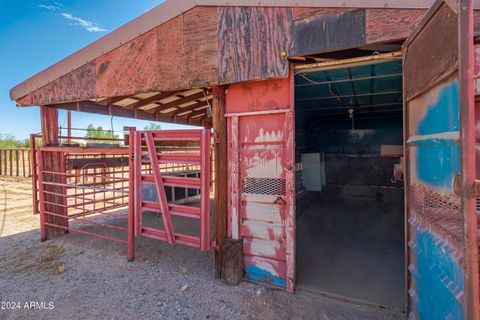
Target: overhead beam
{"x": 92, "y": 107}
{"x": 150, "y": 100}
{"x": 196, "y": 113}
{"x": 110, "y": 101}
{"x": 180, "y": 101}
{"x": 189, "y": 108}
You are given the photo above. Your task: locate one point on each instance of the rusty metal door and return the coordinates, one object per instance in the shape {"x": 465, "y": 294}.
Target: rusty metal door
{"x": 172, "y": 179}
{"x": 261, "y": 187}
{"x": 442, "y": 276}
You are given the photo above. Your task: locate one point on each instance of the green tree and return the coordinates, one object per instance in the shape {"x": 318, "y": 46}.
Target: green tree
{"x": 9, "y": 141}
{"x": 153, "y": 126}
{"x": 100, "y": 133}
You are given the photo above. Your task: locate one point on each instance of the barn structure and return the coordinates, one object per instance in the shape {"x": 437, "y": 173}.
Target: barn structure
{"x": 343, "y": 137}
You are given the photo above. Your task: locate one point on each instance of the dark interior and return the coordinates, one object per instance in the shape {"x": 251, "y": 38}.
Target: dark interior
{"x": 350, "y": 209}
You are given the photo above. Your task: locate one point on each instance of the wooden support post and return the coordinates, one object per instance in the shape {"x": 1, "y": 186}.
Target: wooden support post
{"x": 33, "y": 173}
{"x": 10, "y": 155}
{"x": 69, "y": 125}
{"x": 52, "y": 162}
{"x": 220, "y": 154}
{"x": 17, "y": 162}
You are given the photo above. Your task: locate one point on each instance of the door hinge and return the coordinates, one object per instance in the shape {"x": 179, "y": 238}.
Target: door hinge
{"x": 476, "y": 189}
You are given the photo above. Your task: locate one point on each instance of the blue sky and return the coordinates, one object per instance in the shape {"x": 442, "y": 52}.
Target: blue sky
{"x": 36, "y": 34}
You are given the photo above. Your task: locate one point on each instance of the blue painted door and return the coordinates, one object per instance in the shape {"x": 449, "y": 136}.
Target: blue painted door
{"x": 435, "y": 209}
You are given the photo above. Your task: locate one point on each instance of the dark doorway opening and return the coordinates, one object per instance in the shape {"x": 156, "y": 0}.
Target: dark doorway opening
{"x": 350, "y": 194}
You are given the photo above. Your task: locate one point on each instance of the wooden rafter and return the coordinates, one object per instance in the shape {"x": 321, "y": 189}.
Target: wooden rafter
{"x": 92, "y": 107}
{"x": 196, "y": 113}
{"x": 188, "y": 108}
{"x": 152, "y": 99}
{"x": 112, "y": 100}
{"x": 177, "y": 102}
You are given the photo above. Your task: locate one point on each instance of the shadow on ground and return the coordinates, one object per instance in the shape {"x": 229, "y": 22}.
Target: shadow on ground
{"x": 90, "y": 278}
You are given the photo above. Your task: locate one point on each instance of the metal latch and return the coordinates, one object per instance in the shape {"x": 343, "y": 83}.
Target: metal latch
{"x": 216, "y": 139}
{"x": 474, "y": 189}
{"x": 215, "y": 245}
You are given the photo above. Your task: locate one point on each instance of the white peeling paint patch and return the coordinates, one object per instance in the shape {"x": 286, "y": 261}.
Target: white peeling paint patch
{"x": 262, "y": 248}
{"x": 269, "y": 136}
{"x": 260, "y": 212}
{"x": 264, "y": 230}
{"x": 258, "y": 167}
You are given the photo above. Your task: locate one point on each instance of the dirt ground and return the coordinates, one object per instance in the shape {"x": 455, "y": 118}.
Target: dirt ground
{"x": 74, "y": 276}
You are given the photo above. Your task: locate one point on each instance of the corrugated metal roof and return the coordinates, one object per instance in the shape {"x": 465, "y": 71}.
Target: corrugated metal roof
{"x": 171, "y": 9}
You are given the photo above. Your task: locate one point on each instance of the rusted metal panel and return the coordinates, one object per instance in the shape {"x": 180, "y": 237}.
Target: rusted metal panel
{"x": 442, "y": 48}
{"x": 434, "y": 211}
{"x": 391, "y": 24}
{"x": 260, "y": 202}
{"x": 251, "y": 41}
{"x": 329, "y": 32}
{"x": 440, "y": 212}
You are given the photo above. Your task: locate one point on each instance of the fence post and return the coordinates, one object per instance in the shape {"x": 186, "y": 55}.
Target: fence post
{"x": 24, "y": 173}
{"x": 11, "y": 162}
{"x": 1, "y": 163}
{"x": 131, "y": 196}
{"x": 17, "y": 163}
{"x": 33, "y": 173}
{"x": 5, "y": 162}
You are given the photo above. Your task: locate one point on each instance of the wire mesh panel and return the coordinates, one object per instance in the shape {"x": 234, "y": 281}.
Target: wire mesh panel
{"x": 172, "y": 172}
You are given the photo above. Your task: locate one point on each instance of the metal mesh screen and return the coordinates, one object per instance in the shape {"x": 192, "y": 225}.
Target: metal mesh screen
{"x": 267, "y": 186}
{"x": 440, "y": 213}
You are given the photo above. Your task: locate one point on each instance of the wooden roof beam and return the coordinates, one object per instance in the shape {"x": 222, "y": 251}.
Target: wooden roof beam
{"x": 196, "y": 113}
{"x": 189, "y": 108}
{"x": 92, "y": 107}
{"x": 180, "y": 101}
{"x": 112, "y": 100}
{"x": 152, "y": 99}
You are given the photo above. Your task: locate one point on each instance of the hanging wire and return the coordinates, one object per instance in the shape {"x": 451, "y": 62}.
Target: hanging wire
{"x": 209, "y": 107}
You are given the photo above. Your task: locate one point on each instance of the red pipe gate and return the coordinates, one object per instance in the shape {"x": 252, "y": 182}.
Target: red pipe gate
{"x": 160, "y": 157}
{"x": 80, "y": 186}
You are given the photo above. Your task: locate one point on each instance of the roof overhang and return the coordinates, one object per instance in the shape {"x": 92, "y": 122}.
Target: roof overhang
{"x": 172, "y": 8}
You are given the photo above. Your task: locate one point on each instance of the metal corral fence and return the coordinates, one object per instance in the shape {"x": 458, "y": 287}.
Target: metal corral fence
{"x": 15, "y": 162}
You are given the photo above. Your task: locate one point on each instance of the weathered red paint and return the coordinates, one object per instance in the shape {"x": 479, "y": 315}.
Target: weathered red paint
{"x": 160, "y": 176}
{"x": 98, "y": 183}
{"x": 388, "y": 25}
{"x": 204, "y": 46}
{"x": 261, "y": 197}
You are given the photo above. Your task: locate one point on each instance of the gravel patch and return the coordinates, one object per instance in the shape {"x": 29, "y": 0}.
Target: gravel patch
{"x": 74, "y": 276}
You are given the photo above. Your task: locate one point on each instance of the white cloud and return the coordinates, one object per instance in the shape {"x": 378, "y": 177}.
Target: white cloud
{"x": 88, "y": 25}
{"x": 50, "y": 7}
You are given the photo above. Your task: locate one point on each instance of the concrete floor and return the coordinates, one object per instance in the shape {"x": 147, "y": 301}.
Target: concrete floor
{"x": 350, "y": 244}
